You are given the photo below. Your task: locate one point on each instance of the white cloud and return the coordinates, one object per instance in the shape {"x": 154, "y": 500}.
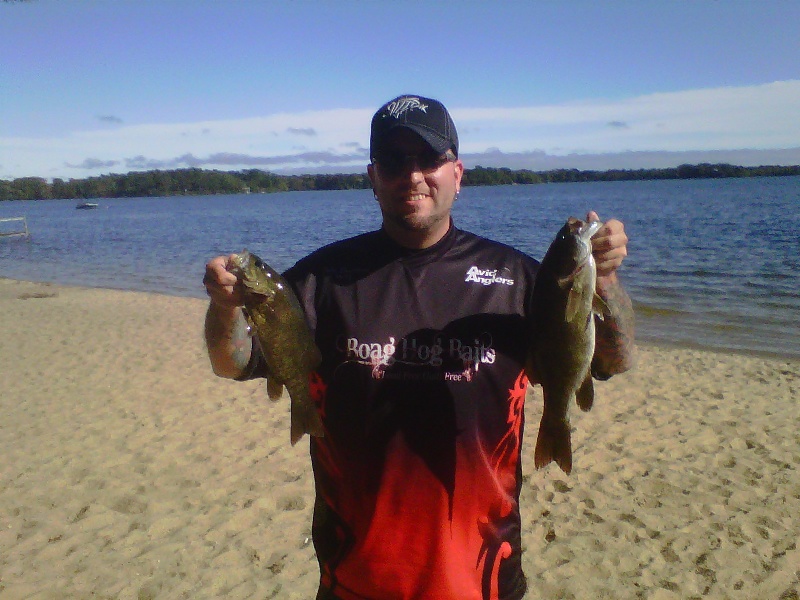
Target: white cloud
{"x": 756, "y": 117}
{"x": 765, "y": 116}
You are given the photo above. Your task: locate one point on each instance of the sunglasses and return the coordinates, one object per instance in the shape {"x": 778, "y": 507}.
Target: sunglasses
{"x": 393, "y": 164}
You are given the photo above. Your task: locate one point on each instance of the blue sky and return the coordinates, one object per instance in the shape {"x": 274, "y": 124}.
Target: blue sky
{"x": 92, "y": 87}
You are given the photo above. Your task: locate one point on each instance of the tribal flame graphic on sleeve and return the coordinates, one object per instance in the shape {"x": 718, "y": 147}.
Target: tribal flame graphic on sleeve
{"x": 506, "y": 460}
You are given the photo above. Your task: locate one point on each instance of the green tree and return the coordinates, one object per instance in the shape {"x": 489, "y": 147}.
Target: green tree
{"x": 30, "y": 188}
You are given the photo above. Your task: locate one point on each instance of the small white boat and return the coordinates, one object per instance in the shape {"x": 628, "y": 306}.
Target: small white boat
{"x": 85, "y": 205}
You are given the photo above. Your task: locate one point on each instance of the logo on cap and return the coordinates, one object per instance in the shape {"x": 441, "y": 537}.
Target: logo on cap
{"x": 399, "y": 107}
{"x": 424, "y": 116}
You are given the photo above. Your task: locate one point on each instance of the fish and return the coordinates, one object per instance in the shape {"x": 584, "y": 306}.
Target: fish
{"x": 563, "y": 306}
{"x": 279, "y": 325}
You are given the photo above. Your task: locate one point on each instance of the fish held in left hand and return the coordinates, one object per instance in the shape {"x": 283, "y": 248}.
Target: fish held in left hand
{"x": 278, "y": 322}
{"x": 564, "y": 304}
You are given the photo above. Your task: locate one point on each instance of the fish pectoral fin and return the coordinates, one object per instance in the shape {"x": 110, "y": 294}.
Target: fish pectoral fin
{"x": 573, "y": 304}
{"x": 600, "y": 308}
{"x": 274, "y": 389}
{"x": 564, "y": 282}
{"x": 259, "y": 299}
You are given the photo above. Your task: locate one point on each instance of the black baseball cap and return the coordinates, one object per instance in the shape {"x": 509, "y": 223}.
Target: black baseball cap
{"x": 424, "y": 116}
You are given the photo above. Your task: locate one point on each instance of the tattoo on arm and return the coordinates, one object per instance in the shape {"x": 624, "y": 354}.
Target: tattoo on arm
{"x": 614, "y": 336}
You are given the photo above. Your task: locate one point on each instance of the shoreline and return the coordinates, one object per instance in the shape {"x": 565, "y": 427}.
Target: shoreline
{"x": 131, "y": 471}
{"x": 654, "y": 343}
{"x": 643, "y": 341}
{"x": 487, "y": 176}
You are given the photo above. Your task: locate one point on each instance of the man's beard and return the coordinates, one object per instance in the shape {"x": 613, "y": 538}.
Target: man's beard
{"x": 414, "y": 222}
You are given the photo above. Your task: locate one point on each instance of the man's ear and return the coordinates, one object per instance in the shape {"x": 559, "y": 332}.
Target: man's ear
{"x": 459, "y": 166}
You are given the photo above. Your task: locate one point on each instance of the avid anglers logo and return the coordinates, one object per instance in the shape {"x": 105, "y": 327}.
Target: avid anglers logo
{"x": 487, "y": 276}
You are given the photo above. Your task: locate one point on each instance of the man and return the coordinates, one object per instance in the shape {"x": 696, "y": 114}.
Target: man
{"x": 423, "y": 332}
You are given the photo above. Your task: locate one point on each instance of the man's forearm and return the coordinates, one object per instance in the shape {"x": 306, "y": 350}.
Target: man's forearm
{"x": 614, "y": 337}
{"x": 227, "y": 339}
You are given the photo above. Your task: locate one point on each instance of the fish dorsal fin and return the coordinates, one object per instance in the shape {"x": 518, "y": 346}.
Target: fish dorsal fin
{"x": 600, "y": 308}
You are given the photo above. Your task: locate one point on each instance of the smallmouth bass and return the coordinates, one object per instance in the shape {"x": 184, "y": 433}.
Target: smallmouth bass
{"x": 279, "y": 325}
{"x": 564, "y": 304}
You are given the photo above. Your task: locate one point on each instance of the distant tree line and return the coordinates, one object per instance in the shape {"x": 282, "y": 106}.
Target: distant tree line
{"x": 503, "y": 176}
{"x": 193, "y": 182}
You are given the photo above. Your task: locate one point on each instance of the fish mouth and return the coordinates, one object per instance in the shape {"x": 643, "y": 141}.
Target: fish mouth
{"x": 582, "y": 233}
{"x": 590, "y": 229}
{"x": 583, "y": 230}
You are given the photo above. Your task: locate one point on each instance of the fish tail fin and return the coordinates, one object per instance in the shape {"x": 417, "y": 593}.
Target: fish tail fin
{"x": 554, "y": 444}
{"x": 305, "y": 419}
{"x": 585, "y": 393}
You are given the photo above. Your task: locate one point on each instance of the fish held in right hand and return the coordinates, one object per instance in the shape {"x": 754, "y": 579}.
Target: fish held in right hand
{"x": 278, "y": 322}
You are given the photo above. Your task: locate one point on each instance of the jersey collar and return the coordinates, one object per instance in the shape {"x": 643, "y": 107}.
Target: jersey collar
{"x": 413, "y": 256}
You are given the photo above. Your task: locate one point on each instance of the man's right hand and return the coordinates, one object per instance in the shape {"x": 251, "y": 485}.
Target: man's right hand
{"x": 222, "y": 285}
{"x": 226, "y": 332}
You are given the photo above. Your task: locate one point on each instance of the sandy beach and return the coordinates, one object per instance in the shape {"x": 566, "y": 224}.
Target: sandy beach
{"x": 130, "y": 471}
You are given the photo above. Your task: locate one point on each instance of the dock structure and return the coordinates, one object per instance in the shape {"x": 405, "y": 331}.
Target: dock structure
{"x": 14, "y": 232}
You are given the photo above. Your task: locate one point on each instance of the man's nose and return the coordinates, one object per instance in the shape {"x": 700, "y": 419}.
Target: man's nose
{"x": 411, "y": 167}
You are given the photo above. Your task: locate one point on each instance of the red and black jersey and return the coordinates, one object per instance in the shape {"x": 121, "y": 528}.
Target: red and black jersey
{"x": 421, "y": 391}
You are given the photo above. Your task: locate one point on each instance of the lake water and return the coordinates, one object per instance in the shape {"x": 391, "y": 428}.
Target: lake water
{"x": 712, "y": 263}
